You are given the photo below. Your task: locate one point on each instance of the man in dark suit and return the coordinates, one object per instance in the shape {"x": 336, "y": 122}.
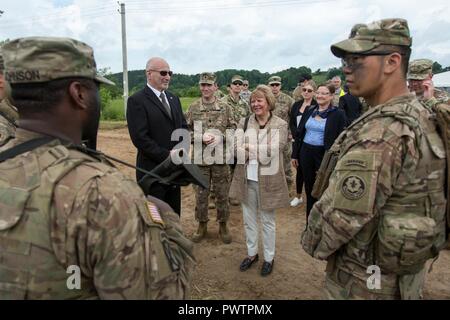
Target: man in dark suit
{"x": 351, "y": 106}
{"x": 153, "y": 114}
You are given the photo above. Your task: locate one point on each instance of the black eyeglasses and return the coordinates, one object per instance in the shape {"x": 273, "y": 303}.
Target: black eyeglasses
{"x": 307, "y": 90}
{"x": 163, "y": 73}
{"x": 275, "y": 85}
{"x": 237, "y": 83}
{"x": 351, "y": 61}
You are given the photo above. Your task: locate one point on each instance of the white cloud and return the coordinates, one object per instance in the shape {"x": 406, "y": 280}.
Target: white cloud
{"x": 268, "y": 38}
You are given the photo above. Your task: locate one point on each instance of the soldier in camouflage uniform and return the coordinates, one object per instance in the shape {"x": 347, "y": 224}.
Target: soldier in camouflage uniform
{"x": 8, "y": 113}
{"x": 282, "y": 110}
{"x": 245, "y": 93}
{"x": 385, "y": 203}
{"x": 65, "y": 210}
{"x": 420, "y": 75}
{"x": 215, "y": 117}
{"x": 239, "y": 107}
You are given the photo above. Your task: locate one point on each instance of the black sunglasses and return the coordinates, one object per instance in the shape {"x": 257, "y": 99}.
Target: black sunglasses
{"x": 275, "y": 85}
{"x": 163, "y": 73}
{"x": 237, "y": 83}
{"x": 307, "y": 90}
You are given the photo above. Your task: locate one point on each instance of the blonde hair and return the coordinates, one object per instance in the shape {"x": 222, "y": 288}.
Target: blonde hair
{"x": 311, "y": 83}
{"x": 263, "y": 91}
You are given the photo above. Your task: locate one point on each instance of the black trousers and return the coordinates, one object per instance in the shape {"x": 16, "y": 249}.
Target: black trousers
{"x": 169, "y": 194}
{"x": 310, "y": 160}
{"x": 299, "y": 180}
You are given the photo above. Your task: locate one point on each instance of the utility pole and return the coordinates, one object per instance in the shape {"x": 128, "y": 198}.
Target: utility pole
{"x": 124, "y": 56}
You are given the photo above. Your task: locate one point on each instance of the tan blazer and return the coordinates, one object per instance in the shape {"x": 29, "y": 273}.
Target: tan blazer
{"x": 273, "y": 189}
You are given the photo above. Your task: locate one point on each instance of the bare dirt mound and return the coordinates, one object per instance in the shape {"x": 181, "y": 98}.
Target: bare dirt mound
{"x": 295, "y": 275}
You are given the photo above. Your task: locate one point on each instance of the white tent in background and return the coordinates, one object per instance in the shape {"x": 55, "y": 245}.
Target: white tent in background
{"x": 442, "y": 80}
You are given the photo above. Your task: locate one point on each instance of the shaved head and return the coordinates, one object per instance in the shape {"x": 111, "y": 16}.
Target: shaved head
{"x": 156, "y": 63}
{"x": 157, "y": 71}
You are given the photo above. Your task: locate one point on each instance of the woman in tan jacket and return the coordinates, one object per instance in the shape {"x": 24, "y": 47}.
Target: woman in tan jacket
{"x": 259, "y": 182}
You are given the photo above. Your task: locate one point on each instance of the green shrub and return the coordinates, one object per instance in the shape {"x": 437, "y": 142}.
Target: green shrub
{"x": 114, "y": 111}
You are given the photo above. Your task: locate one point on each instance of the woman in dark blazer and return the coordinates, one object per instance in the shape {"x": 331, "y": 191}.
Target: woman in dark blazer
{"x": 297, "y": 111}
{"x": 316, "y": 133}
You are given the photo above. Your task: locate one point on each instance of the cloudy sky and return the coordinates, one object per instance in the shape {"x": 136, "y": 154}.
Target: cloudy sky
{"x": 210, "y": 35}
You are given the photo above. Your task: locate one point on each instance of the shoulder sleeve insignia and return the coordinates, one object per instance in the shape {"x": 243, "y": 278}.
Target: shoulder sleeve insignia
{"x": 353, "y": 188}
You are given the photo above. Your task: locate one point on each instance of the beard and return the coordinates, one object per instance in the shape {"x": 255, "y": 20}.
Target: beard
{"x": 90, "y": 130}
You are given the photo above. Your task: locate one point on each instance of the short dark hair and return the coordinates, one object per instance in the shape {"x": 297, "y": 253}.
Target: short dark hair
{"x": 405, "y": 51}
{"x": 43, "y": 97}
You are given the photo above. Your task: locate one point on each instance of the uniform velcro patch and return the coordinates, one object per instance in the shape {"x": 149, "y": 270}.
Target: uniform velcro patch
{"x": 154, "y": 214}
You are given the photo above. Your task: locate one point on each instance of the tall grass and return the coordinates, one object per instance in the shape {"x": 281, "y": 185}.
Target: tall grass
{"x": 114, "y": 110}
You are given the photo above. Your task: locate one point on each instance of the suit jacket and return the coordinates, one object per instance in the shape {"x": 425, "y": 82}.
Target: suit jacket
{"x": 151, "y": 127}
{"x": 295, "y": 111}
{"x": 336, "y": 123}
{"x": 351, "y": 106}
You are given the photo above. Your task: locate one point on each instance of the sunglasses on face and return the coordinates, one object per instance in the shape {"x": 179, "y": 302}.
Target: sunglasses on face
{"x": 163, "y": 73}
{"x": 237, "y": 84}
{"x": 275, "y": 85}
{"x": 307, "y": 90}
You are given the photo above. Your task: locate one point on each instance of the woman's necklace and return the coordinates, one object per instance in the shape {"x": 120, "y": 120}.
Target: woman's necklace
{"x": 264, "y": 125}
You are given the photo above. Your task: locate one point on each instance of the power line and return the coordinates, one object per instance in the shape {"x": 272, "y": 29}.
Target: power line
{"x": 224, "y": 7}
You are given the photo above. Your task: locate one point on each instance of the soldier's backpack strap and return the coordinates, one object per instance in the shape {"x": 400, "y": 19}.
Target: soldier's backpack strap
{"x": 246, "y": 123}
{"x": 24, "y": 147}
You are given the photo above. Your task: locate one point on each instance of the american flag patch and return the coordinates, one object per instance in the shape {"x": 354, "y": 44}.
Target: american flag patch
{"x": 154, "y": 213}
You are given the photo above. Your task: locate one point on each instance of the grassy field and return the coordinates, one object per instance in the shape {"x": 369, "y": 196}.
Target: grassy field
{"x": 114, "y": 111}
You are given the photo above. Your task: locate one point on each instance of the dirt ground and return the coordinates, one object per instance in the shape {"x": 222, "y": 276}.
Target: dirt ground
{"x": 295, "y": 275}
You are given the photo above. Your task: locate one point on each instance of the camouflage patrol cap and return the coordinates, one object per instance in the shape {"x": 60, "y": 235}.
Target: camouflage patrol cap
{"x": 237, "y": 78}
{"x": 207, "y": 78}
{"x": 245, "y": 82}
{"x": 420, "y": 69}
{"x": 274, "y": 80}
{"x": 42, "y": 59}
{"x": 366, "y": 37}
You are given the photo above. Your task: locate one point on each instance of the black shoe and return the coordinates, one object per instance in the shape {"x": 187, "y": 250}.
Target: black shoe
{"x": 267, "y": 268}
{"x": 247, "y": 263}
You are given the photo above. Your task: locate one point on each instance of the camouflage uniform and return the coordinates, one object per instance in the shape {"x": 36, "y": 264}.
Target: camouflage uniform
{"x": 297, "y": 93}
{"x": 245, "y": 94}
{"x": 8, "y": 113}
{"x": 239, "y": 108}
{"x": 420, "y": 70}
{"x": 8, "y": 119}
{"x": 282, "y": 110}
{"x": 220, "y": 117}
{"x": 385, "y": 203}
{"x": 63, "y": 208}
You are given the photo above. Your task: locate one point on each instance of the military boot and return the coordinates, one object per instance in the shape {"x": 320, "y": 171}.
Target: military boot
{"x": 224, "y": 234}
{"x": 201, "y": 232}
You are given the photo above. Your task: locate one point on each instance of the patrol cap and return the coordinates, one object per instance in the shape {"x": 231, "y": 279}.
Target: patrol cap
{"x": 42, "y": 59}
{"x": 207, "y": 78}
{"x": 245, "y": 82}
{"x": 367, "y": 37}
{"x": 237, "y": 78}
{"x": 420, "y": 69}
{"x": 274, "y": 80}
